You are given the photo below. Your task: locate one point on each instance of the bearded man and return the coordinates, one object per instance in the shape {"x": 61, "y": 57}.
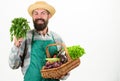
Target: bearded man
{"x": 35, "y": 43}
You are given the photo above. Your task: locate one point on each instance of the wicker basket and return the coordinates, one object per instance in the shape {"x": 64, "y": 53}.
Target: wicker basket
{"x": 62, "y": 70}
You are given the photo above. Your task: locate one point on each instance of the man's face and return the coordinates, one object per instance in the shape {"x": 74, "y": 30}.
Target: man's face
{"x": 40, "y": 19}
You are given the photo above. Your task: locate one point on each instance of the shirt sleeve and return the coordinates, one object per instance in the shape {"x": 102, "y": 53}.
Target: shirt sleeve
{"x": 14, "y": 57}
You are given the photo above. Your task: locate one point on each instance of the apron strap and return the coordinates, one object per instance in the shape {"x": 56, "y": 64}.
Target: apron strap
{"x": 24, "y": 54}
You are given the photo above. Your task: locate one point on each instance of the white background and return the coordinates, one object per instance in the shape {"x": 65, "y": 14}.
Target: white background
{"x": 93, "y": 24}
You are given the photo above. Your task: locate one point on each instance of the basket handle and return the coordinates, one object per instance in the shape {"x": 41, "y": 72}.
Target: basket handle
{"x": 66, "y": 51}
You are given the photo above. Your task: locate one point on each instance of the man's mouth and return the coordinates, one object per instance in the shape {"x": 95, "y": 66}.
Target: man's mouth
{"x": 40, "y": 21}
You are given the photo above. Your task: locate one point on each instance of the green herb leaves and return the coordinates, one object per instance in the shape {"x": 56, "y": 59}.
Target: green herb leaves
{"x": 19, "y": 28}
{"x": 75, "y": 51}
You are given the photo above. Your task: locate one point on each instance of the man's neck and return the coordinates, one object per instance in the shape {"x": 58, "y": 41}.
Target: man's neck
{"x": 43, "y": 32}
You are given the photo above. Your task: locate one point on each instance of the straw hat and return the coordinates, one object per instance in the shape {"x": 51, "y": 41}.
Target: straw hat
{"x": 42, "y": 5}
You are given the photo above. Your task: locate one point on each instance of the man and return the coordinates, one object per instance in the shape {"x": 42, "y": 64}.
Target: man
{"x": 35, "y": 43}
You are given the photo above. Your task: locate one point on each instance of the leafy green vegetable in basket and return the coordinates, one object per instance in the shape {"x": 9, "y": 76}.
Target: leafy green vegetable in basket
{"x": 19, "y": 28}
{"x": 75, "y": 51}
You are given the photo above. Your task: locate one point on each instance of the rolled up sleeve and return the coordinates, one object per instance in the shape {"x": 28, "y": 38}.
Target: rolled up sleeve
{"x": 14, "y": 58}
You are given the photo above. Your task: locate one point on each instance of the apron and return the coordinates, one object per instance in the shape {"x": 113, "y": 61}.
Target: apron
{"x": 38, "y": 56}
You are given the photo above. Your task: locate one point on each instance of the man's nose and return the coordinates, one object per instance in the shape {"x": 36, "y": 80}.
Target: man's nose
{"x": 39, "y": 16}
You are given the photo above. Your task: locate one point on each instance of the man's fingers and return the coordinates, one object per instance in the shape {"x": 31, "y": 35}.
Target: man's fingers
{"x": 18, "y": 42}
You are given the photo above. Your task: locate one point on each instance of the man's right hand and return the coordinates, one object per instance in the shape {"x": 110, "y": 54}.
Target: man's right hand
{"x": 17, "y": 42}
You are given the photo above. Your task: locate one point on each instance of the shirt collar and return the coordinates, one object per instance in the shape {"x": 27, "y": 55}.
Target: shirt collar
{"x": 48, "y": 32}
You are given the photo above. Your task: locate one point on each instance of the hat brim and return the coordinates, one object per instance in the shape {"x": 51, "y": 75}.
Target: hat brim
{"x": 41, "y": 5}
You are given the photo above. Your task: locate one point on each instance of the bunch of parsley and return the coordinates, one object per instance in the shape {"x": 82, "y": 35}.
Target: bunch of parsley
{"x": 19, "y": 28}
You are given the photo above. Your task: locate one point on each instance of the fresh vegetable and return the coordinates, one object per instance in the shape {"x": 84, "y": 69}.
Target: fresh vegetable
{"x": 56, "y": 61}
{"x": 75, "y": 51}
{"x": 53, "y": 59}
{"x": 52, "y": 63}
{"x": 19, "y": 28}
{"x": 62, "y": 56}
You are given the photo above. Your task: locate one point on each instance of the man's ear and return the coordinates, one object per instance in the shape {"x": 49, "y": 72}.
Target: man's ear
{"x": 49, "y": 16}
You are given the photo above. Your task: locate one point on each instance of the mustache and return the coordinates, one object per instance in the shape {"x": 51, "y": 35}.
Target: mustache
{"x": 39, "y": 19}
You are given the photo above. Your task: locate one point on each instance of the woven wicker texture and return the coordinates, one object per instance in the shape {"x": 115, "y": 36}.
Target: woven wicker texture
{"x": 57, "y": 73}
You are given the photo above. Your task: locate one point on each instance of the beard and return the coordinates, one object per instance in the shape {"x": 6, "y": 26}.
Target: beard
{"x": 40, "y": 27}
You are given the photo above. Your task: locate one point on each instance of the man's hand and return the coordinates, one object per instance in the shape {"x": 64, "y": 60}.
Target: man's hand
{"x": 17, "y": 42}
{"x": 65, "y": 76}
